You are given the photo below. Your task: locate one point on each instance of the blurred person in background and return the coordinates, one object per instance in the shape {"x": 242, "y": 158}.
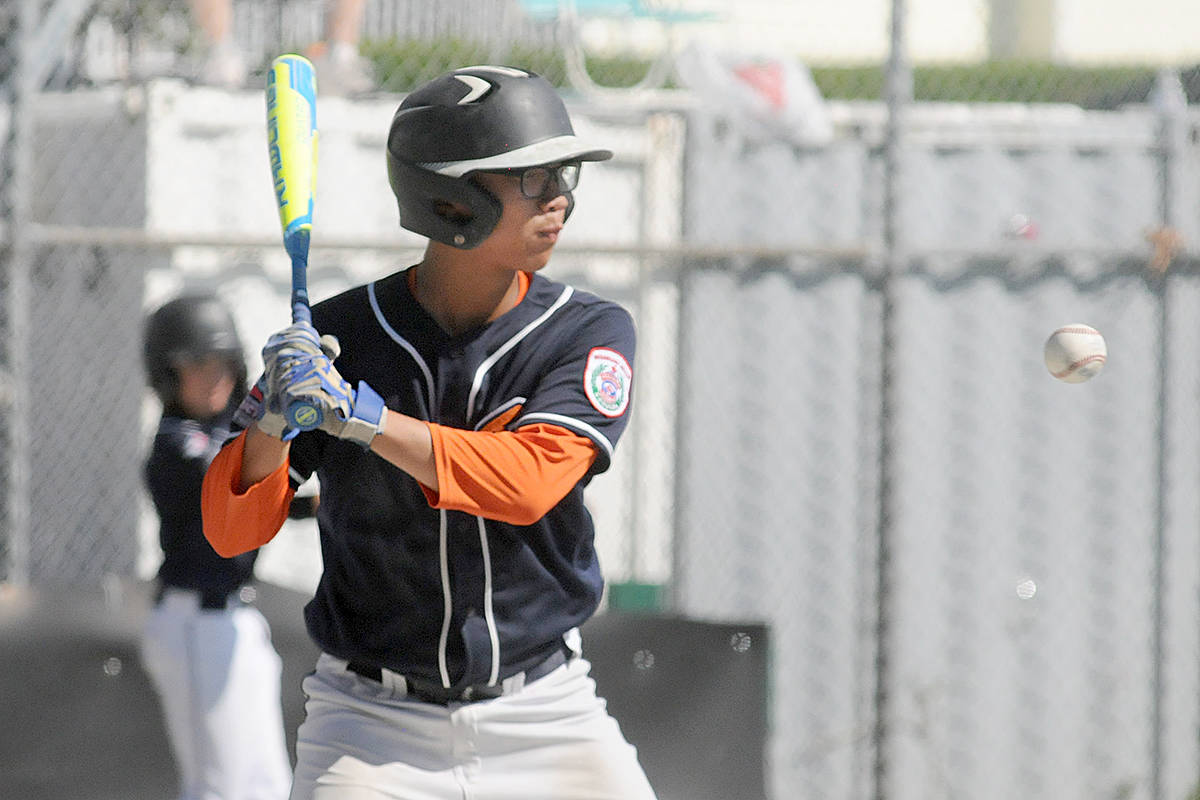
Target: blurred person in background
{"x": 208, "y": 653}
{"x": 340, "y": 68}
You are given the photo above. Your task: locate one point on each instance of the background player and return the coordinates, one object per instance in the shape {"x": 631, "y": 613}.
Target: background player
{"x": 340, "y": 68}
{"x": 209, "y": 655}
{"x": 458, "y": 554}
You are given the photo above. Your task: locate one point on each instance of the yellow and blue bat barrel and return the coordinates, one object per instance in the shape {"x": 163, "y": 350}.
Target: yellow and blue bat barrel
{"x": 292, "y": 148}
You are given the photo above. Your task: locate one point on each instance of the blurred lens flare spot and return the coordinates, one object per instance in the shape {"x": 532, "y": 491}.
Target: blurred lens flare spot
{"x": 740, "y": 642}
{"x": 113, "y": 666}
{"x": 1026, "y": 588}
{"x": 643, "y": 659}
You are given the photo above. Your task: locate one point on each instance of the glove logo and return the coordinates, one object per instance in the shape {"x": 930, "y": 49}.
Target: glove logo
{"x": 305, "y": 416}
{"x": 606, "y": 381}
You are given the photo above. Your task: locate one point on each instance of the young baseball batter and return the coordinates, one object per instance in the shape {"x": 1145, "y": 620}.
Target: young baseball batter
{"x": 472, "y": 401}
{"x": 208, "y": 654}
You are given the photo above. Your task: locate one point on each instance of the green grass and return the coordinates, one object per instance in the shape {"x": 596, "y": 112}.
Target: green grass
{"x": 407, "y": 63}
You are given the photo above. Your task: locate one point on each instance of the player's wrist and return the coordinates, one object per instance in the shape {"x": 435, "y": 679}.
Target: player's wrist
{"x": 272, "y": 425}
{"x": 367, "y": 419}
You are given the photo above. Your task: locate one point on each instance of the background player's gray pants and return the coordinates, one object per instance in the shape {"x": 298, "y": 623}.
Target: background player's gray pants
{"x": 218, "y": 677}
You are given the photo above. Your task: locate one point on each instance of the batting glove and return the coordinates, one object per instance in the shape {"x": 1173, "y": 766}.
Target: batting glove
{"x": 357, "y": 415}
{"x": 286, "y": 350}
{"x": 290, "y": 358}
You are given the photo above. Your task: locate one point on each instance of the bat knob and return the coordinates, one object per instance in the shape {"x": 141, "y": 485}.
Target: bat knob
{"x": 303, "y": 416}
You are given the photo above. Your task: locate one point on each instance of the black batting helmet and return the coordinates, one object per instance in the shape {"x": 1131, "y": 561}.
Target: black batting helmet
{"x": 469, "y": 120}
{"x": 189, "y": 328}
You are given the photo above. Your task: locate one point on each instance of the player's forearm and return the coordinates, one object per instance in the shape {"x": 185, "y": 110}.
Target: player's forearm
{"x": 263, "y": 454}
{"x": 407, "y": 443}
{"x": 237, "y": 520}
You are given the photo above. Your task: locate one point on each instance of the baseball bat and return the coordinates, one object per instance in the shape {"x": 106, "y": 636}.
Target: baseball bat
{"x": 292, "y": 147}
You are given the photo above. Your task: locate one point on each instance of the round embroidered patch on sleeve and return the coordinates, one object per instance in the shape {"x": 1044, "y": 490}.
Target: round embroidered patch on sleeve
{"x": 195, "y": 443}
{"x": 606, "y": 381}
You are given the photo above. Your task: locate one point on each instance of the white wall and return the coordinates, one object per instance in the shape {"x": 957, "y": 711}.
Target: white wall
{"x": 850, "y": 31}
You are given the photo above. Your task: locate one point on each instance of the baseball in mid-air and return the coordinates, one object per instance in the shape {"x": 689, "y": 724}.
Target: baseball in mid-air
{"x": 1075, "y": 353}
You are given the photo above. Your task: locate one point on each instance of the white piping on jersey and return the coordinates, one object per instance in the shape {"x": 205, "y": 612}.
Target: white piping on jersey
{"x": 510, "y": 344}
{"x": 568, "y": 422}
{"x": 443, "y": 545}
{"x": 489, "y": 613}
{"x": 400, "y": 340}
{"x": 296, "y": 476}
{"x": 444, "y": 563}
{"x": 477, "y": 383}
{"x": 516, "y": 401}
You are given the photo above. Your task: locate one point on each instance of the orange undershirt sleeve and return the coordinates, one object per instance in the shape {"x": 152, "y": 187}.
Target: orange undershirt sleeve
{"x": 511, "y": 476}
{"x": 238, "y": 522}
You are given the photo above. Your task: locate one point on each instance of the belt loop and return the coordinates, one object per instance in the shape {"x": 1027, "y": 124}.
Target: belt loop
{"x": 396, "y": 683}
{"x": 514, "y": 683}
{"x": 573, "y": 640}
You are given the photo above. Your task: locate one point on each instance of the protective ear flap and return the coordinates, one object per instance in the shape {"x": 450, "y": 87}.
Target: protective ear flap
{"x": 418, "y": 192}
{"x": 165, "y": 383}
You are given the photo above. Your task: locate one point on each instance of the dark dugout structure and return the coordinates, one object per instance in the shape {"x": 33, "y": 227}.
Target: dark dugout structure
{"x": 82, "y": 722}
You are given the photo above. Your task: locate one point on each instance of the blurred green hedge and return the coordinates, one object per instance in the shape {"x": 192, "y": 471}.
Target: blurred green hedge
{"x": 1006, "y": 82}
{"x": 404, "y": 64}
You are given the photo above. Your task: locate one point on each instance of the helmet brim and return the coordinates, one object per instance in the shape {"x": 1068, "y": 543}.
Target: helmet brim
{"x": 548, "y": 151}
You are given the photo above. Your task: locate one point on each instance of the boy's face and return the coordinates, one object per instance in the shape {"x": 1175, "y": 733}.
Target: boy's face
{"x": 529, "y": 227}
{"x": 205, "y": 385}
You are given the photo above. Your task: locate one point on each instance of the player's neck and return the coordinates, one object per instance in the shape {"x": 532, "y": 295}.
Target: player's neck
{"x": 459, "y": 296}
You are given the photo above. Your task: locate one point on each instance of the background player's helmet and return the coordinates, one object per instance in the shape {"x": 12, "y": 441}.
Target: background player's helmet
{"x": 469, "y": 120}
{"x": 189, "y": 328}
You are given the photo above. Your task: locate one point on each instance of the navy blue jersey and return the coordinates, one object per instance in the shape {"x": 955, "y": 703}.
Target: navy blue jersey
{"x": 174, "y": 471}
{"x": 446, "y": 595}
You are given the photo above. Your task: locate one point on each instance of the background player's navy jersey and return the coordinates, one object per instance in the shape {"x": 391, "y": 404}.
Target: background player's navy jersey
{"x": 182, "y": 451}
{"x": 479, "y": 599}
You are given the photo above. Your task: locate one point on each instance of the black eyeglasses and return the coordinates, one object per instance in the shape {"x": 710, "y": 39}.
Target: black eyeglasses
{"x": 535, "y": 181}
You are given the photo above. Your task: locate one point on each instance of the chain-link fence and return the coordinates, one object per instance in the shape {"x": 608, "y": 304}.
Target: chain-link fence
{"x": 843, "y": 261}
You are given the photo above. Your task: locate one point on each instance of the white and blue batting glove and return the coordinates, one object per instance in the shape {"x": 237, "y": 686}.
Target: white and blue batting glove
{"x": 288, "y": 355}
{"x": 358, "y": 415}
{"x": 285, "y": 350}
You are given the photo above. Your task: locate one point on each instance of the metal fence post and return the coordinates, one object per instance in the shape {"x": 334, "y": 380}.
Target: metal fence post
{"x": 898, "y": 87}
{"x": 1170, "y": 103}
{"x": 16, "y": 335}
{"x": 679, "y": 564}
